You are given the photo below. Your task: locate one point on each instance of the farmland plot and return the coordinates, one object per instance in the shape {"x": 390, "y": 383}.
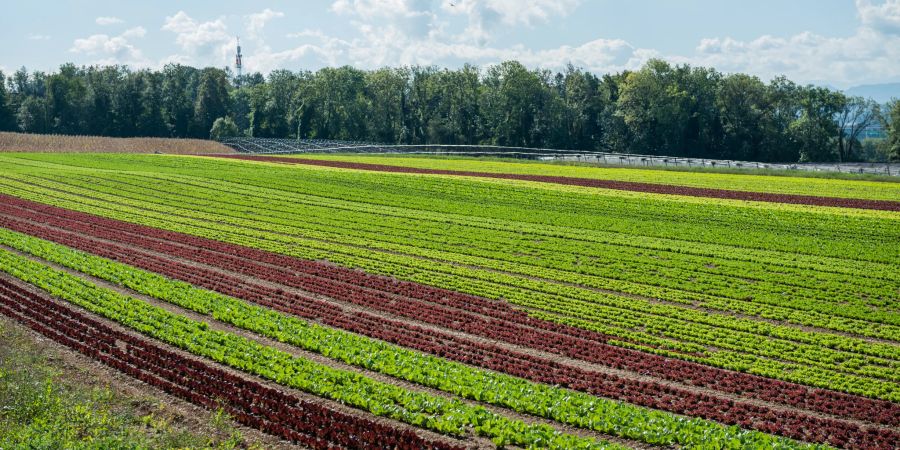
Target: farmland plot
{"x": 463, "y": 310}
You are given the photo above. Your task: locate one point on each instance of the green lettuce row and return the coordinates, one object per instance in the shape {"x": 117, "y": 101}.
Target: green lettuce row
{"x": 742, "y": 182}
{"x": 562, "y": 405}
{"x": 775, "y": 369}
{"x": 828, "y": 296}
{"x": 423, "y": 410}
{"x": 609, "y": 211}
{"x": 578, "y": 303}
{"x": 248, "y": 174}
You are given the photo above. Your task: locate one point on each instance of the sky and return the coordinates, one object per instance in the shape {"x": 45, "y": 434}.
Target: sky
{"x": 839, "y": 43}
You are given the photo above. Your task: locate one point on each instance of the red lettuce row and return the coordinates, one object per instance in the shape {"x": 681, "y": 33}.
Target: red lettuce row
{"x": 884, "y": 205}
{"x": 494, "y": 320}
{"x": 248, "y": 402}
{"x": 789, "y": 423}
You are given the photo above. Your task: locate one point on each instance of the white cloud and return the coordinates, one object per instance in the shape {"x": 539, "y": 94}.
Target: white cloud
{"x": 400, "y": 32}
{"x": 453, "y": 32}
{"x": 37, "y": 37}
{"x": 103, "y": 21}
{"x": 112, "y": 49}
{"x": 411, "y": 17}
{"x": 485, "y": 15}
{"x": 257, "y": 21}
{"x": 884, "y": 17}
{"x": 136, "y": 32}
{"x": 200, "y": 42}
{"x": 379, "y": 47}
{"x": 870, "y": 55}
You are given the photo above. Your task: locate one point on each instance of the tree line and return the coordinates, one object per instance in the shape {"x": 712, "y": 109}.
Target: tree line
{"x": 661, "y": 109}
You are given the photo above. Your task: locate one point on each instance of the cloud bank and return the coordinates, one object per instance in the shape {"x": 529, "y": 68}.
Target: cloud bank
{"x": 452, "y": 32}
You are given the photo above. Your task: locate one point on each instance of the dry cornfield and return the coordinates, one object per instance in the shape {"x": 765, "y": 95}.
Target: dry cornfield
{"x": 22, "y": 142}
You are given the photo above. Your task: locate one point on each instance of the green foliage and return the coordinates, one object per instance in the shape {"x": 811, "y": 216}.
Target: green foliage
{"x": 45, "y": 406}
{"x": 892, "y": 125}
{"x": 636, "y": 266}
{"x": 212, "y": 100}
{"x": 449, "y": 416}
{"x": 569, "y": 407}
{"x": 7, "y": 118}
{"x": 223, "y": 128}
{"x": 664, "y": 109}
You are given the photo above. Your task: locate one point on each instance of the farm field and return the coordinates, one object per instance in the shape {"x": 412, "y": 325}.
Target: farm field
{"x": 804, "y": 185}
{"x": 334, "y": 307}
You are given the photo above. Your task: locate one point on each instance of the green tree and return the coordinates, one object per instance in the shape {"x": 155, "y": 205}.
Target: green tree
{"x": 7, "y": 118}
{"x": 32, "y": 116}
{"x": 212, "y": 100}
{"x": 585, "y": 98}
{"x": 512, "y": 98}
{"x": 272, "y": 105}
{"x": 815, "y": 131}
{"x": 240, "y": 107}
{"x": 66, "y": 99}
{"x": 891, "y": 122}
{"x": 223, "y": 127}
{"x": 651, "y": 105}
{"x": 855, "y": 114}
{"x": 151, "y": 117}
{"x": 783, "y": 108}
{"x": 386, "y": 92}
{"x": 179, "y": 93}
{"x": 743, "y": 104}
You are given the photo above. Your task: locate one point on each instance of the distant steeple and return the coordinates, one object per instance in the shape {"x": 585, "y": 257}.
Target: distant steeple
{"x": 238, "y": 64}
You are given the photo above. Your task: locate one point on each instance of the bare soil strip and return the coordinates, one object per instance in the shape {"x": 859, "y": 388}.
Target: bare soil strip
{"x": 882, "y": 205}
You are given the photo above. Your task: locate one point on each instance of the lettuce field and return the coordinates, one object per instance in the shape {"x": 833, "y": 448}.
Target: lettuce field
{"x": 408, "y": 302}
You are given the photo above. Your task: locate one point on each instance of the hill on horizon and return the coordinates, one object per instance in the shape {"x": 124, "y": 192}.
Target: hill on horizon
{"x": 881, "y": 93}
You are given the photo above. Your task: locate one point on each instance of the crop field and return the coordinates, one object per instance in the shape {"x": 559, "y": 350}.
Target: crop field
{"x": 24, "y": 142}
{"x": 406, "y": 302}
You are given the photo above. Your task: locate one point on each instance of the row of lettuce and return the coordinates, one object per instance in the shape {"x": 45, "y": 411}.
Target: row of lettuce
{"x": 631, "y": 270}
{"x": 303, "y": 422}
{"x": 438, "y": 413}
{"x": 827, "y": 360}
{"x": 223, "y": 265}
{"x": 741, "y": 182}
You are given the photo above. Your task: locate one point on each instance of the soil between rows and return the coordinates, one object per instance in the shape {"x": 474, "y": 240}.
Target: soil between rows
{"x": 350, "y": 307}
{"x": 807, "y": 328}
{"x": 81, "y": 370}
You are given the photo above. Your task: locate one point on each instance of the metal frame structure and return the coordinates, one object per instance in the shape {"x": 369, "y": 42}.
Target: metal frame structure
{"x": 271, "y": 146}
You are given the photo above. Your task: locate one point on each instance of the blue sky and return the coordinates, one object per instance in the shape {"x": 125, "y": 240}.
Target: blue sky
{"x": 836, "y": 42}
